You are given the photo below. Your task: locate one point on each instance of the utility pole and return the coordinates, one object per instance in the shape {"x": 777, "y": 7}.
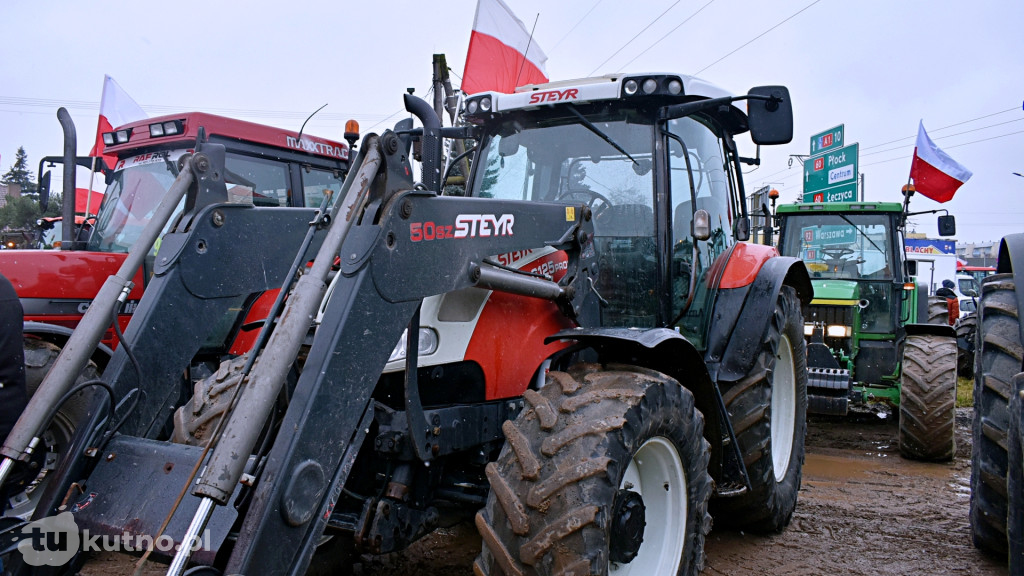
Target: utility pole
{"x": 445, "y": 99}
{"x": 861, "y": 186}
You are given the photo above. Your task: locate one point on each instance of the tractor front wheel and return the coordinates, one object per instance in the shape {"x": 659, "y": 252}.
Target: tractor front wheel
{"x": 768, "y": 410}
{"x": 997, "y": 360}
{"x": 605, "y": 472}
{"x": 928, "y": 398}
{"x": 938, "y": 310}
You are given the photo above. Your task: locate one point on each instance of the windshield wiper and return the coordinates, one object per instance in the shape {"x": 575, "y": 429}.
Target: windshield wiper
{"x": 862, "y": 233}
{"x": 590, "y": 126}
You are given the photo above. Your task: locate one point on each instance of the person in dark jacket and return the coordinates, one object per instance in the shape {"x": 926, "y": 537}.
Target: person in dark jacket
{"x": 13, "y": 396}
{"x": 947, "y": 292}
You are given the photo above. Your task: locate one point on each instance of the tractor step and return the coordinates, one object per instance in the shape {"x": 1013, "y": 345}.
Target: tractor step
{"x": 828, "y": 391}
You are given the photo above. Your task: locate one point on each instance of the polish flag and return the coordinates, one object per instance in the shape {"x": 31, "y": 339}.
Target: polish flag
{"x": 935, "y": 174}
{"x": 116, "y": 109}
{"x": 501, "y": 55}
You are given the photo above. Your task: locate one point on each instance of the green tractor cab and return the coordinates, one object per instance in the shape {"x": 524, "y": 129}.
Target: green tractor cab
{"x": 871, "y": 343}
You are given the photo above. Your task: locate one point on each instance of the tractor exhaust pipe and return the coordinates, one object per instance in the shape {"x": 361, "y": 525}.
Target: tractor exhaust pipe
{"x": 87, "y": 335}
{"x": 67, "y": 236}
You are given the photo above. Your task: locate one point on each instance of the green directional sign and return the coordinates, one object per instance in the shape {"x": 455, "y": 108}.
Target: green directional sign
{"x": 833, "y": 168}
{"x": 827, "y": 140}
{"x": 841, "y": 193}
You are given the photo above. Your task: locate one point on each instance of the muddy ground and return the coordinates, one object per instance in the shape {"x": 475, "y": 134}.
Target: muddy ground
{"x": 863, "y": 510}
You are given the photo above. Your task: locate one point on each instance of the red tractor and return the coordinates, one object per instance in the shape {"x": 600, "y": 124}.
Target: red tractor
{"x": 591, "y": 359}
{"x": 264, "y": 166}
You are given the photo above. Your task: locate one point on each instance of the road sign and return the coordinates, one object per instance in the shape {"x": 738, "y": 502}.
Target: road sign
{"x": 827, "y": 140}
{"x": 831, "y": 169}
{"x": 841, "y": 193}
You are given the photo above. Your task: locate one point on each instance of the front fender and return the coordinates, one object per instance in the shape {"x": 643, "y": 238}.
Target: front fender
{"x": 59, "y": 335}
{"x": 672, "y": 354}
{"x": 1011, "y": 261}
{"x": 741, "y": 315}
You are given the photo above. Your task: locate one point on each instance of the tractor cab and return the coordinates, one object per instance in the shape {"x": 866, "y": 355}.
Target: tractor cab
{"x": 653, "y": 158}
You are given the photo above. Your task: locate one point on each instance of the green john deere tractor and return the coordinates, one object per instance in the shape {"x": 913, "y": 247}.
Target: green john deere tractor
{"x": 875, "y": 340}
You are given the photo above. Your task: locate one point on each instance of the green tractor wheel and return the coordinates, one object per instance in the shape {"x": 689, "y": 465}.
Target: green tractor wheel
{"x": 928, "y": 398}
{"x": 966, "y": 329}
{"x": 938, "y": 310}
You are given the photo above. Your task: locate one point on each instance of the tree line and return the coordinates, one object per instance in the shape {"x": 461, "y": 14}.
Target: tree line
{"x": 21, "y": 213}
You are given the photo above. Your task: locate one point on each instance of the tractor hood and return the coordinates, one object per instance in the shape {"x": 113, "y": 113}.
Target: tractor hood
{"x": 835, "y": 291}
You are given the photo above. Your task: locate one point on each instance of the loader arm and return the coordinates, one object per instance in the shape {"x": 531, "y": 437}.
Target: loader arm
{"x": 400, "y": 264}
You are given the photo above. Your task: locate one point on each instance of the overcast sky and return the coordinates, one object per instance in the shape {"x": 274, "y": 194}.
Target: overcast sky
{"x": 876, "y": 66}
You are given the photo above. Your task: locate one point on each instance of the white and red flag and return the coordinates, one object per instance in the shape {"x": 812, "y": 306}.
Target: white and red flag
{"x": 116, "y": 109}
{"x": 935, "y": 174}
{"x": 502, "y": 54}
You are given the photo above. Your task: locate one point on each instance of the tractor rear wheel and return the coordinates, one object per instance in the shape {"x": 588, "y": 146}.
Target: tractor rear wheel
{"x": 605, "y": 472}
{"x": 24, "y": 492}
{"x": 768, "y": 410}
{"x": 966, "y": 328}
{"x": 928, "y": 398}
{"x": 1015, "y": 480}
{"x": 938, "y": 310}
{"x": 997, "y": 360}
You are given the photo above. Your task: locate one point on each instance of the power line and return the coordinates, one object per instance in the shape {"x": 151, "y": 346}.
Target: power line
{"x": 745, "y": 44}
{"x": 904, "y": 157}
{"x": 943, "y": 128}
{"x": 592, "y": 72}
{"x": 566, "y": 35}
{"x": 947, "y": 136}
{"x": 688, "y": 18}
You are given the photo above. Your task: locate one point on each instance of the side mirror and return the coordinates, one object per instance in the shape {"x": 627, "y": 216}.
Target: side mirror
{"x": 701, "y": 225}
{"x": 972, "y": 293}
{"x": 770, "y": 115}
{"x": 947, "y": 225}
{"x": 44, "y": 191}
{"x": 912, "y": 267}
{"x": 741, "y": 230}
{"x": 508, "y": 145}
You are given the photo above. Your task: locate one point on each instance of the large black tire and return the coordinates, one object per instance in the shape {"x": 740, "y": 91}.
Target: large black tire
{"x": 928, "y": 398}
{"x": 966, "y": 331}
{"x": 599, "y": 453}
{"x": 1015, "y": 480}
{"x": 23, "y": 492}
{"x": 938, "y": 310}
{"x": 768, "y": 410}
{"x": 997, "y": 360}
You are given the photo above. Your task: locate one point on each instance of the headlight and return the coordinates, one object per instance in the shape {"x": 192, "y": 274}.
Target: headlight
{"x": 472, "y": 106}
{"x": 839, "y": 331}
{"x": 808, "y": 329}
{"x": 427, "y": 344}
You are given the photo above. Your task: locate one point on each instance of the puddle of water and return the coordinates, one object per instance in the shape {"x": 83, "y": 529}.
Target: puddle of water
{"x": 834, "y": 465}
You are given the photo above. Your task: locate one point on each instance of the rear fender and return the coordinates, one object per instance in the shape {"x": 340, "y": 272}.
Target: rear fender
{"x": 58, "y": 335}
{"x": 741, "y": 315}
{"x": 930, "y": 329}
{"x": 1011, "y": 259}
{"x": 670, "y": 353}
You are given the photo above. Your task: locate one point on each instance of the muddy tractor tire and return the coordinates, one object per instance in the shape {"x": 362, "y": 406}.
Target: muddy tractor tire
{"x": 39, "y": 358}
{"x": 768, "y": 409}
{"x": 195, "y": 421}
{"x": 997, "y": 360}
{"x": 928, "y": 398}
{"x": 1015, "y": 480}
{"x": 966, "y": 329}
{"x": 605, "y": 472}
{"x": 938, "y": 310}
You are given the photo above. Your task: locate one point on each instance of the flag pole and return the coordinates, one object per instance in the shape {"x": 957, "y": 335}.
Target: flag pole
{"x": 527, "y": 51}
{"x": 88, "y": 195}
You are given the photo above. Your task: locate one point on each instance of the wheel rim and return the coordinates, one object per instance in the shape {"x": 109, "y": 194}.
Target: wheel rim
{"x": 783, "y": 417}
{"x": 54, "y": 440}
{"x": 656, "y": 473}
